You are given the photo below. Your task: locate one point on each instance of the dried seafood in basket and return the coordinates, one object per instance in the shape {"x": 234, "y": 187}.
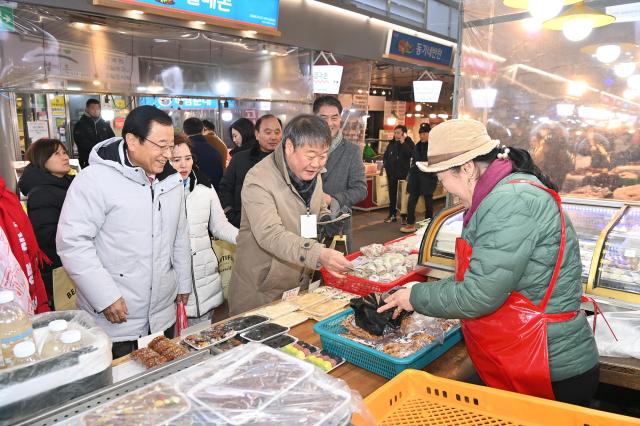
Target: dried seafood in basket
{"x": 415, "y": 332}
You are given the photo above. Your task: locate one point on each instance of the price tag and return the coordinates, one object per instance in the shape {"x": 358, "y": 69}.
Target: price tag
{"x": 308, "y": 226}
{"x": 314, "y": 286}
{"x": 291, "y": 294}
{"x": 145, "y": 340}
{"x": 629, "y": 253}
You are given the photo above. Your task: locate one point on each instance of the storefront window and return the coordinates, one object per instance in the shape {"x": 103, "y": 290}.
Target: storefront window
{"x": 573, "y": 104}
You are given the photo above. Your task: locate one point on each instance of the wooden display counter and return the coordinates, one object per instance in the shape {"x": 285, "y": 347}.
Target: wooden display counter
{"x": 454, "y": 364}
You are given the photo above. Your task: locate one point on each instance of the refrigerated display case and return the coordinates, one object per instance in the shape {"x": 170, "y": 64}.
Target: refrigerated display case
{"x": 589, "y": 219}
{"x": 608, "y": 234}
{"x": 437, "y": 249}
{"x": 617, "y": 275}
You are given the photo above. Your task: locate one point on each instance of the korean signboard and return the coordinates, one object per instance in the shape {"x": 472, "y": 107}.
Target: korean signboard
{"x": 259, "y": 15}
{"x": 416, "y": 50}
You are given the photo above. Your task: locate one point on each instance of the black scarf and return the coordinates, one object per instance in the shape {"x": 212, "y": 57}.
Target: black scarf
{"x": 304, "y": 188}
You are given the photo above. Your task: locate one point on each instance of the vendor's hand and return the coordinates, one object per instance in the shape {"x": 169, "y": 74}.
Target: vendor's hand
{"x": 399, "y": 300}
{"x": 182, "y": 298}
{"x": 117, "y": 312}
{"x": 335, "y": 262}
{"x": 327, "y": 199}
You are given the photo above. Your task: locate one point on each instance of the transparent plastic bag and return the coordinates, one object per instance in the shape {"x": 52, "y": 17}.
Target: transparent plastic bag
{"x": 249, "y": 385}
{"x": 48, "y": 383}
{"x": 373, "y": 250}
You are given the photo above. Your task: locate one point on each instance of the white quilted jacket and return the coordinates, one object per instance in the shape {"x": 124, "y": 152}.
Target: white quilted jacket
{"x": 204, "y": 215}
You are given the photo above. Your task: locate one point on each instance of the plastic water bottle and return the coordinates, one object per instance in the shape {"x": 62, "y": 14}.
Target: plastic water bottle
{"x": 53, "y": 345}
{"x": 24, "y": 353}
{"x": 71, "y": 340}
{"x": 15, "y": 326}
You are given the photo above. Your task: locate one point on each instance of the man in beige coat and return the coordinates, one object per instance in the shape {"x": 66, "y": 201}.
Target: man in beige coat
{"x": 276, "y": 249}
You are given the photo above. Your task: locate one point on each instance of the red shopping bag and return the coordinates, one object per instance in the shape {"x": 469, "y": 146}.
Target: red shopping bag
{"x": 181, "y": 318}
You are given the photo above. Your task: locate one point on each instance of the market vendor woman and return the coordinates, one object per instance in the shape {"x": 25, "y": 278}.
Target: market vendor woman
{"x": 517, "y": 293}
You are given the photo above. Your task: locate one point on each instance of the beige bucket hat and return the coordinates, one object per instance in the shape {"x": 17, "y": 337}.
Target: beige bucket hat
{"x": 454, "y": 143}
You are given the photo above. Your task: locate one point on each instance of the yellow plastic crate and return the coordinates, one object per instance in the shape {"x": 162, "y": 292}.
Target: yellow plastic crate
{"x": 418, "y": 398}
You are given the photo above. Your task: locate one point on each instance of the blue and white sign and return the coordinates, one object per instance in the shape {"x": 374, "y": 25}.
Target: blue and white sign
{"x": 181, "y": 103}
{"x": 262, "y": 13}
{"x": 403, "y": 46}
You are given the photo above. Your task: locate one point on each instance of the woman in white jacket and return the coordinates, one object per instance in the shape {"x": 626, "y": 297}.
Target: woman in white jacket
{"x": 204, "y": 215}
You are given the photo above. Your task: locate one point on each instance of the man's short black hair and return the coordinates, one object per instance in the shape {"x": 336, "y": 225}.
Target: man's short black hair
{"x": 209, "y": 125}
{"x": 192, "y": 126}
{"x": 326, "y": 101}
{"x": 401, "y": 127}
{"x": 264, "y": 117}
{"x": 307, "y": 129}
{"x": 139, "y": 121}
{"x": 91, "y": 102}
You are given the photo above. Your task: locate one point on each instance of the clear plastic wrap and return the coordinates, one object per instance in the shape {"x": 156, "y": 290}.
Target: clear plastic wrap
{"x": 27, "y": 389}
{"x": 248, "y": 385}
{"x": 415, "y": 332}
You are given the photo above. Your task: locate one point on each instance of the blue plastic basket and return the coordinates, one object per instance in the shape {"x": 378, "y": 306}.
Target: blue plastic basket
{"x": 375, "y": 361}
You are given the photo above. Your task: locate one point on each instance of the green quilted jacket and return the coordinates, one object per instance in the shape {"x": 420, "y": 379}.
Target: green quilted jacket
{"x": 515, "y": 234}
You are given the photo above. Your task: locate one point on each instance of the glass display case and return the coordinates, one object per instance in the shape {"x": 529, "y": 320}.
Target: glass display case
{"x": 437, "y": 249}
{"x": 618, "y": 271}
{"x": 589, "y": 220}
{"x": 609, "y": 237}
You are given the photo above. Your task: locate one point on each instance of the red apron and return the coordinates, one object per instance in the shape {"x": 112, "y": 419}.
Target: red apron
{"x": 509, "y": 346}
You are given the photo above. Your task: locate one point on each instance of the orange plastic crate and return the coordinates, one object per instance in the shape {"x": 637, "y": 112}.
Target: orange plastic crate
{"x": 418, "y": 398}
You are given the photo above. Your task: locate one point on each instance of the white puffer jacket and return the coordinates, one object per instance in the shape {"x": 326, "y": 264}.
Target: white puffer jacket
{"x": 118, "y": 237}
{"x": 204, "y": 215}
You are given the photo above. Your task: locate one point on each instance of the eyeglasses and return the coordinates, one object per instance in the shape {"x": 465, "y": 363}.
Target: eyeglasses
{"x": 163, "y": 148}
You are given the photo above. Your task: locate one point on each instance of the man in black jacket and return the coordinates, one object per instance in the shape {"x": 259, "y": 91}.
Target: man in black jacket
{"x": 90, "y": 130}
{"x": 207, "y": 157}
{"x": 396, "y": 160}
{"x": 268, "y": 134}
{"x": 420, "y": 183}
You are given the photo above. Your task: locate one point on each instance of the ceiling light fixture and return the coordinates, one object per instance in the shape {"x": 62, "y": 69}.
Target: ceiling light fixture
{"x": 634, "y": 82}
{"x": 418, "y": 107}
{"x": 137, "y": 12}
{"x": 577, "y": 22}
{"x": 199, "y": 22}
{"x": 608, "y": 53}
{"x": 624, "y": 69}
{"x": 576, "y": 88}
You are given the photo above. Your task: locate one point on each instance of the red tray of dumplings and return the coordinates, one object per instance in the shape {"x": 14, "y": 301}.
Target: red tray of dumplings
{"x": 361, "y": 286}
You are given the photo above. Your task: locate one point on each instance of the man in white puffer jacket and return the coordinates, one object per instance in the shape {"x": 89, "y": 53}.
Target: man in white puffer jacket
{"x": 205, "y": 216}
{"x": 122, "y": 234}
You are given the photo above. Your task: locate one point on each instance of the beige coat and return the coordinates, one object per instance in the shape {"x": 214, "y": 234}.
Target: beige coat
{"x": 271, "y": 256}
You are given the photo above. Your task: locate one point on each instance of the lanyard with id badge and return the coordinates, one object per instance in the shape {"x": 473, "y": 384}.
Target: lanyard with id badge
{"x": 309, "y": 225}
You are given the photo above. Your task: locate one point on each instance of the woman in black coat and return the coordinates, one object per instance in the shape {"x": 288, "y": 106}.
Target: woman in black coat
{"x": 45, "y": 182}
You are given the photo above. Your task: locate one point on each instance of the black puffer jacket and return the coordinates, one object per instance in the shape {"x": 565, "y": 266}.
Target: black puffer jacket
{"x": 419, "y": 181}
{"x": 233, "y": 179}
{"x": 397, "y": 158}
{"x": 87, "y": 133}
{"x": 45, "y": 196}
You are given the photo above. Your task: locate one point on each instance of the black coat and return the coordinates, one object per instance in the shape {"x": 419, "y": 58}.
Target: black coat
{"x": 233, "y": 179}
{"x": 419, "y": 181}
{"x": 87, "y": 133}
{"x": 208, "y": 160}
{"x": 397, "y": 158}
{"x": 45, "y": 196}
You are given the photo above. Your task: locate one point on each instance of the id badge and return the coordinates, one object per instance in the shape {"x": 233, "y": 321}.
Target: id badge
{"x": 308, "y": 226}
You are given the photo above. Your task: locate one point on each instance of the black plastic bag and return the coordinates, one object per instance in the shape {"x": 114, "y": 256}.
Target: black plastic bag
{"x": 367, "y": 317}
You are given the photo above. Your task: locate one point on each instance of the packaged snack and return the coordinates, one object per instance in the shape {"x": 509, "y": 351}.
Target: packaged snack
{"x": 292, "y": 319}
{"x": 264, "y": 332}
{"x": 279, "y": 341}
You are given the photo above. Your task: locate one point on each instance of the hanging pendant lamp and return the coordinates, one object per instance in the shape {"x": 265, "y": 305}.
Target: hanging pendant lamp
{"x": 577, "y": 22}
